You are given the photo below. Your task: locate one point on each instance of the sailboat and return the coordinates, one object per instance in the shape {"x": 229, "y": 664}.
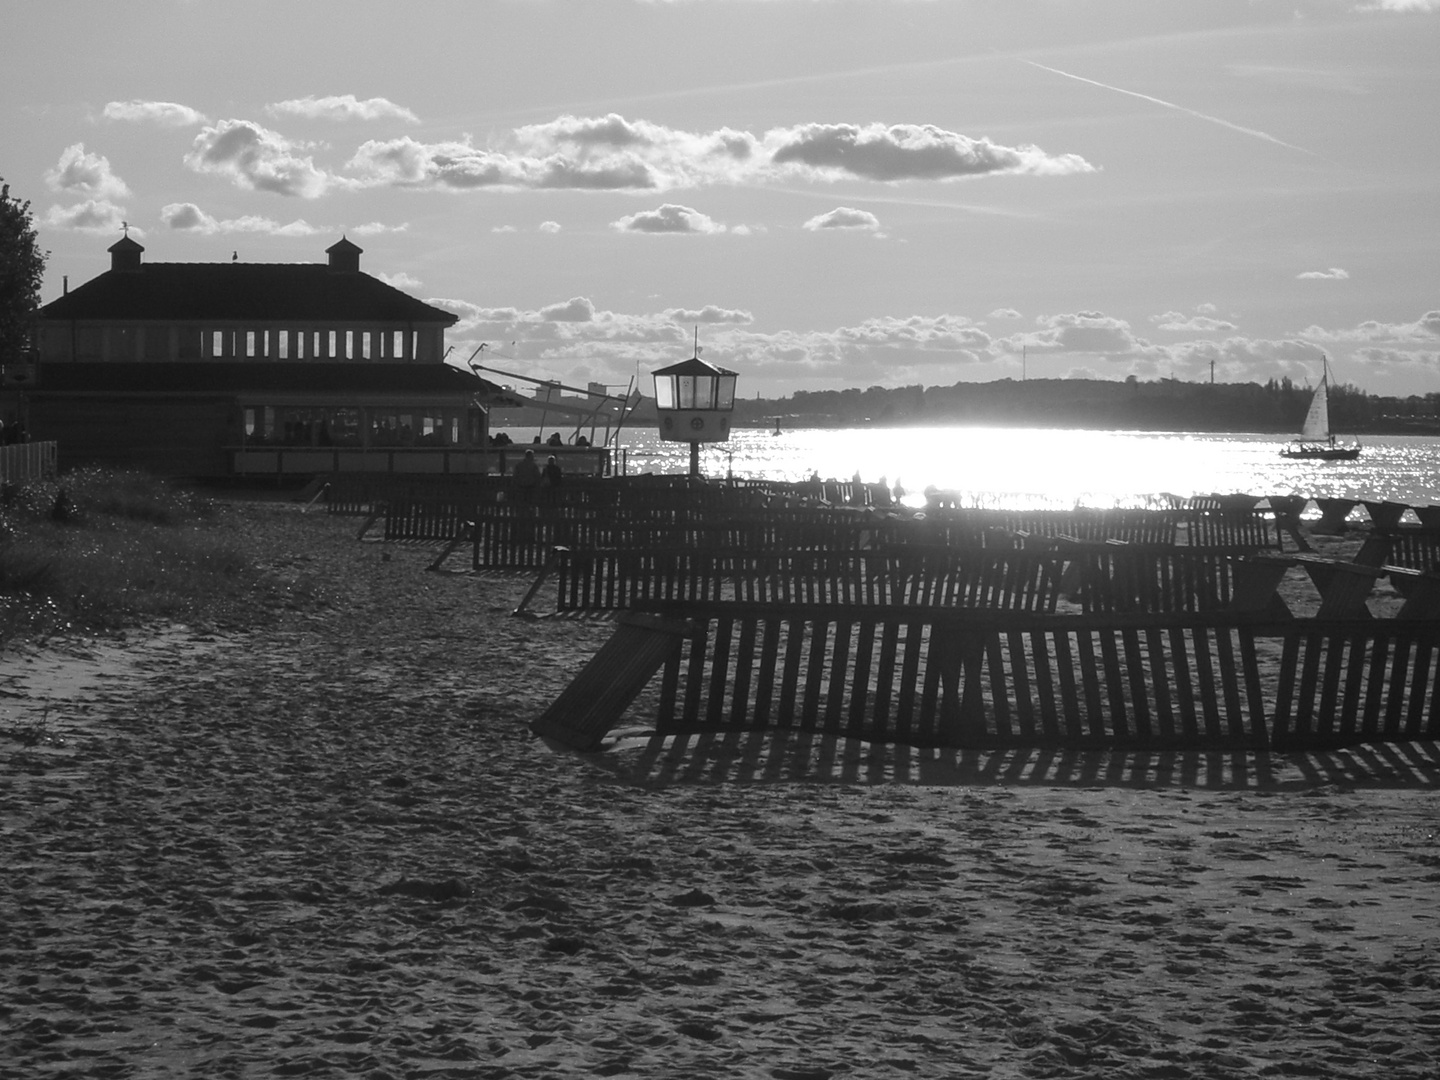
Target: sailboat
{"x": 1316, "y": 443}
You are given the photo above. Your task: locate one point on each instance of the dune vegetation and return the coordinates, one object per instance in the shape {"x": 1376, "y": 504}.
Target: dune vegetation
{"x": 100, "y": 550}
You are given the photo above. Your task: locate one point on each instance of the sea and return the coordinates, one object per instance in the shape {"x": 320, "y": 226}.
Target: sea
{"x": 1045, "y": 468}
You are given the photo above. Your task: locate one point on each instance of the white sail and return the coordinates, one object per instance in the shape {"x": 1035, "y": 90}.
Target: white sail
{"x": 1317, "y": 420}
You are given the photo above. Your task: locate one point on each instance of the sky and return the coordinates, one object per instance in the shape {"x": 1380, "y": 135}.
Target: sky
{"x": 824, "y": 193}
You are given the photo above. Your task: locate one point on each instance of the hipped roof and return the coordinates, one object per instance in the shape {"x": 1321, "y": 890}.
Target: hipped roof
{"x": 242, "y": 292}
{"x": 693, "y": 366}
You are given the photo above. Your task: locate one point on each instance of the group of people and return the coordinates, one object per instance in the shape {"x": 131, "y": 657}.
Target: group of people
{"x": 879, "y": 494}
{"x": 528, "y": 473}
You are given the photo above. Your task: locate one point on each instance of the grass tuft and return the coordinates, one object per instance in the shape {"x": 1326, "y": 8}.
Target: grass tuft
{"x": 100, "y": 549}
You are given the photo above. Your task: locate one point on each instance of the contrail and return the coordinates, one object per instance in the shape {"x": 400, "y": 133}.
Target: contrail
{"x": 1177, "y": 108}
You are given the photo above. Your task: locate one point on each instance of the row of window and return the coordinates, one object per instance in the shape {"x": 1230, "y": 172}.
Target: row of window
{"x": 159, "y": 342}
{"x": 310, "y": 344}
{"x": 271, "y": 425}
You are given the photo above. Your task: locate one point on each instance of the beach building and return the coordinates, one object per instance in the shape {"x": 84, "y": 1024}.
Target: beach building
{"x": 236, "y": 368}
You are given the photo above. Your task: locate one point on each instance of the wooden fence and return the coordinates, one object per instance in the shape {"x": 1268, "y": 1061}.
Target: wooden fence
{"x": 21, "y": 463}
{"x": 609, "y": 579}
{"x": 1075, "y": 576}
{"x": 971, "y": 628}
{"x": 933, "y": 676}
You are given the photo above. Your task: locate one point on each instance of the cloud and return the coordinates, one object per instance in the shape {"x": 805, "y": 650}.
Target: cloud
{"x": 377, "y": 228}
{"x": 929, "y": 350}
{"x": 82, "y": 173}
{"x": 946, "y": 333}
{"x": 400, "y": 281}
{"x": 843, "y": 217}
{"x": 1391, "y": 358}
{"x": 255, "y": 158}
{"x": 710, "y": 313}
{"x": 1422, "y": 331}
{"x": 188, "y": 217}
{"x": 164, "y": 113}
{"x": 905, "y": 152}
{"x": 576, "y": 309}
{"x": 92, "y": 215}
{"x": 342, "y": 107}
{"x": 462, "y": 166}
{"x": 1005, "y": 313}
{"x": 1204, "y": 324}
{"x": 1401, "y": 5}
{"x": 611, "y": 153}
{"x": 549, "y": 227}
{"x": 1333, "y": 274}
{"x": 669, "y": 218}
{"x": 1087, "y": 332}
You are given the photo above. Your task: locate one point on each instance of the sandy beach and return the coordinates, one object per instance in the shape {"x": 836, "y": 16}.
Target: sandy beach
{"x": 331, "y": 847}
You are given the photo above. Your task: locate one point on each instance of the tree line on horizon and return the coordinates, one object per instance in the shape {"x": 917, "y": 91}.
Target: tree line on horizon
{"x": 1133, "y": 405}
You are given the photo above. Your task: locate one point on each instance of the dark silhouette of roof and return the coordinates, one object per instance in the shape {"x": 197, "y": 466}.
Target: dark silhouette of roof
{"x": 267, "y": 377}
{"x": 693, "y": 366}
{"x": 242, "y": 292}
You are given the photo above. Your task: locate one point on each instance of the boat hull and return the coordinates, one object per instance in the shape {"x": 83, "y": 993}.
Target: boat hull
{"x": 1321, "y": 453}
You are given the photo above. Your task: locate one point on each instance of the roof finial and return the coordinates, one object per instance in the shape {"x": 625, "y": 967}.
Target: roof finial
{"x": 125, "y": 225}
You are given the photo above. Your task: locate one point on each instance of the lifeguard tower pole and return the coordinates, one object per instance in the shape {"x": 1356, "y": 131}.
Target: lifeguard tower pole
{"x": 693, "y": 403}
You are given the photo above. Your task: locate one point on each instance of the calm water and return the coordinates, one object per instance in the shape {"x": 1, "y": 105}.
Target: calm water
{"x": 1045, "y": 468}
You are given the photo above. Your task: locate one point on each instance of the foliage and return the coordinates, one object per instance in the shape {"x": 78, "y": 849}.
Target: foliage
{"x": 99, "y": 550}
{"x": 1097, "y": 404}
{"x": 22, "y": 271}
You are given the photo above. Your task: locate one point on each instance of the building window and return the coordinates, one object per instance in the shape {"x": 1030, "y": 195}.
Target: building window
{"x": 439, "y": 428}
{"x": 389, "y": 428}
{"x": 260, "y": 425}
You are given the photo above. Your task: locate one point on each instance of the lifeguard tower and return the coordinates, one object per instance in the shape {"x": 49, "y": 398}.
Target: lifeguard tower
{"x": 694, "y": 400}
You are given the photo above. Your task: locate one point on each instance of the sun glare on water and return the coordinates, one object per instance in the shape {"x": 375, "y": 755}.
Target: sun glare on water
{"x": 1045, "y": 468}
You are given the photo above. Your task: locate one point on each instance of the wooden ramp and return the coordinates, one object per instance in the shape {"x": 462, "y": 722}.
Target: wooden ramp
{"x": 589, "y": 707}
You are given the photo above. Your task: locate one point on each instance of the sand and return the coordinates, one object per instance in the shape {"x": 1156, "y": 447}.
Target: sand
{"x": 331, "y": 847}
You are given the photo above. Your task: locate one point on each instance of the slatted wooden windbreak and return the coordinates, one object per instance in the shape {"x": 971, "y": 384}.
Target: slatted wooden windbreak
{"x": 1409, "y": 546}
{"x": 928, "y": 676}
{"x": 1343, "y": 683}
{"x": 409, "y": 518}
{"x": 602, "y": 579}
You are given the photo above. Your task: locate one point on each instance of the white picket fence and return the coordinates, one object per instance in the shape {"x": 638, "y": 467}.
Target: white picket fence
{"x": 21, "y": 463}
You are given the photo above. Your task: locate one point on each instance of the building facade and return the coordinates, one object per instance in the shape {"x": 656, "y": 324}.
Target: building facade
{"x": 214, "y": 369}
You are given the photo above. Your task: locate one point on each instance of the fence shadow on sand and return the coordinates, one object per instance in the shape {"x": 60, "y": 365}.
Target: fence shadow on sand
{"x": 802, "y": 757}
